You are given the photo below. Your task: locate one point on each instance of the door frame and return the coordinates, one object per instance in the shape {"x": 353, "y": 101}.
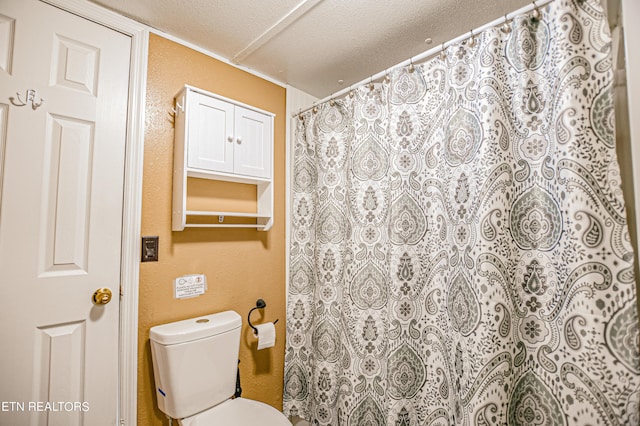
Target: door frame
{"x": 132, "y": 197}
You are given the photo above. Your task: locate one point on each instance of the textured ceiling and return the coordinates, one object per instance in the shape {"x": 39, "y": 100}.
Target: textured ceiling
{"x": 312, "y": 44}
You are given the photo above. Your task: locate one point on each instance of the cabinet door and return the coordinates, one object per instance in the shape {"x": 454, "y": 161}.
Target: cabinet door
{"x": 211, "y": 136}
{"x": 254, "y": 134}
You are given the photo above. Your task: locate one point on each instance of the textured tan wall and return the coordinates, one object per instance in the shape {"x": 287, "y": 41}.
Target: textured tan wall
{"x": 241, "y": 265}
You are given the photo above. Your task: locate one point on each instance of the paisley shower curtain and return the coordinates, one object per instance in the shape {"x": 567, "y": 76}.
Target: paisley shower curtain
{"x": 460, "y": 253}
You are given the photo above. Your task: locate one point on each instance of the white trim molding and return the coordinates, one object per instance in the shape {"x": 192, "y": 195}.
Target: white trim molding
{"x": 296, "y": 101}
{"x": 132, "y": 208}
{"x": 630, "y": 11}
{"x": 631, "y": 30}
{"x": 283, "y": 23}
{"x": 215, "y": 56}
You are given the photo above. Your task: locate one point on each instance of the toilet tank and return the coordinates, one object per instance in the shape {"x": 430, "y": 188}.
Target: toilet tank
{"x": 195, "y": 362}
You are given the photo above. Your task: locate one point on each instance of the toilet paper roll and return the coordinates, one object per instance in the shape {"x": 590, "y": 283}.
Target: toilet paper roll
{"x": 266, "y": 335}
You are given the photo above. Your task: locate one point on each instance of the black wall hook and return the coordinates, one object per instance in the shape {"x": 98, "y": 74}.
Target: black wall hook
{"x": 260, "y": 304}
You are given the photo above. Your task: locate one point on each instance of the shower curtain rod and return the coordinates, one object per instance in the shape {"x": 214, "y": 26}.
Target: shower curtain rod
{"x": 422, "y": 56}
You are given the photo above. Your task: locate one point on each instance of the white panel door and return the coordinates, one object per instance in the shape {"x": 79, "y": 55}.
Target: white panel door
{"x": 210, "y": 133}
{"x": 63, "y": 106}
{"x": 253, "y": 143}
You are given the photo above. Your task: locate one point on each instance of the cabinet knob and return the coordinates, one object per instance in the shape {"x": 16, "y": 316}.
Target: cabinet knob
{"x": 239, "y": 140}
{"x": 230, "y": 138}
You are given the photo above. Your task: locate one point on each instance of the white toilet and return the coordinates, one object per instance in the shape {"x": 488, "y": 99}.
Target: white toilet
{"x": 194, "y": 364}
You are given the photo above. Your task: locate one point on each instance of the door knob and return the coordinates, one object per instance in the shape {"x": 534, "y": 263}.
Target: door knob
{"x": 102, "y": 296}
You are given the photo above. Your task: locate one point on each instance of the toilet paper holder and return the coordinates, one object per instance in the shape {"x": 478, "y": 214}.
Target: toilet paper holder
{"x": 260, "y": 304}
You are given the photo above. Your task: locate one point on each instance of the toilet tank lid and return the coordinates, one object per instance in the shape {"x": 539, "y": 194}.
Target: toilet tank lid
{"x": 195, "y": 328}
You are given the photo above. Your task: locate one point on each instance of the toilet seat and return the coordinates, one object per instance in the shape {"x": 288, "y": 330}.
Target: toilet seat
{"x": 238, "y": 412}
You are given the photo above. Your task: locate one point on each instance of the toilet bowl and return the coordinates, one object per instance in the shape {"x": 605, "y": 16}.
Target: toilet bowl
{"x": 194, "y": 367}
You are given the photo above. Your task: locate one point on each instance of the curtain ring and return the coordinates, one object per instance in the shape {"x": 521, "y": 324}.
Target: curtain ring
{"x": 351, "y": 92}
{"x": 443, "y": 54}
{"x": 371, "y": 86}
{"x": 506, "y": 27}
{"x": 387, "y": 79}
{"x": 411, "y": 67}
{"x": 315, "y": 109}
{"x": 535, "y": 13}
{"x": 472, "y": 40}
{"x": 331, "y": 101}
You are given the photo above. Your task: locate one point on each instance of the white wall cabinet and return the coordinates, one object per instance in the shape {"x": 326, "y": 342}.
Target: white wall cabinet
{"x": 221, "y": 139}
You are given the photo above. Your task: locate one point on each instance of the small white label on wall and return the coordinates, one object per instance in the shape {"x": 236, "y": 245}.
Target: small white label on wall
{"x": 190, "y": 286}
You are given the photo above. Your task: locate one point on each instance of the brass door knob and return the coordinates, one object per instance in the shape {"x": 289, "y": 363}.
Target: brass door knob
{"x": 102, "y": 296}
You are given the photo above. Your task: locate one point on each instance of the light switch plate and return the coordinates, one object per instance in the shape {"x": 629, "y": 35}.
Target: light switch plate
{"x": 150, "y": 249}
